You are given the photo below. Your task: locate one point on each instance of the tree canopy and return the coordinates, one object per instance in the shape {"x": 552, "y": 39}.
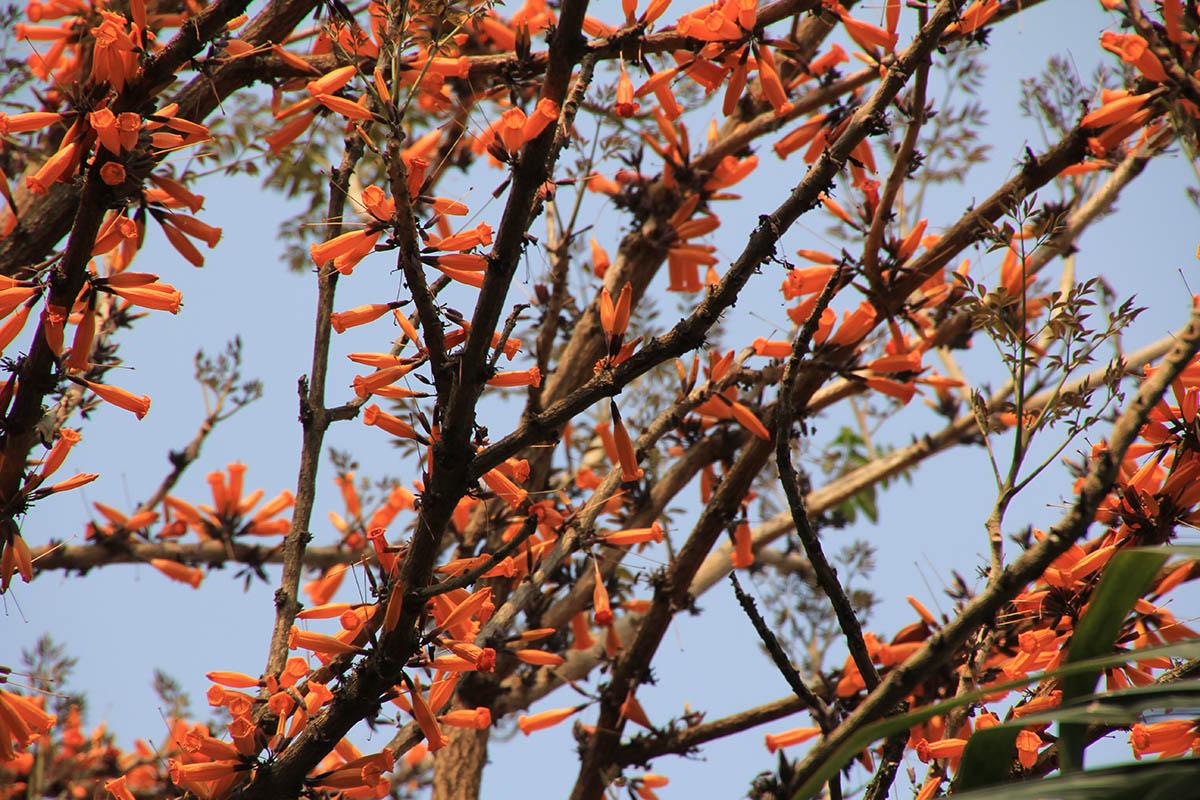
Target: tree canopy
{"x": 657, "y": 303}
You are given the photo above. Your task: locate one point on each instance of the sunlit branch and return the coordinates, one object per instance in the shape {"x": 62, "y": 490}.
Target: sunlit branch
{"x": 674, "y": 595}
{"x": 899, "y": 460}
{"x": 790, "y": 481}
{"x": 314, "y": 418}
{"x": 685, "y": 740}
{"x": 944, "y": 642}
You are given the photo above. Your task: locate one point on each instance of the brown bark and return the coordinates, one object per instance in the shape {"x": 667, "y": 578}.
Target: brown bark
{"x": 455, "y": 775}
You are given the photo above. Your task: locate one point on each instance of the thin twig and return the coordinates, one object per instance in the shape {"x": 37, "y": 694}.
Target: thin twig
{"x": 782, "y": 663}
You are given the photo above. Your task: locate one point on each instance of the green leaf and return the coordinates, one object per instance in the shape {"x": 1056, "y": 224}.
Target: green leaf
{"x": 872, "y": 733}
{"x": 1161, "y": 779}
{"x": 1126, "y": 577}
{"x": 1122, "y": 707}
{"x": 987, "y": 758}
{"x": 989, "y": 753}
{"x": 866, "y": 501}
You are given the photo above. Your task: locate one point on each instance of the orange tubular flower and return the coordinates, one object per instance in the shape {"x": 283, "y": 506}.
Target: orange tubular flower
{"x": 1134, "y": 50}
{"x": 462, "y": 276}
{"x": 13, "y": 296}
{"x": 697, "y": 227}
{"x": 730, "y": 171}
{"x": 536, "y": 634}
{"x": 425, "y": 719}
{"x": 511, "y": 130}
{"x": 580, "y": 633}
{"x": 823, "y": 64}
{"x": 67, "y": 438}
{"x": 544, "y": 719}
{"x": 1028, "y": 743}
{"x": 467, "y": 262}
{"x": 656, "y": 82}
{"x": 113, "y": 58}
{"x": 29, "y": 121}
{"x": 81, "y": 479}
{"x": 545, "y": 113}
{"x": 318, "y": 643}
{"x": 615, "y": 318}
{"x": 178, "y": 572}
{"x": 81, "y": 345}
{"x": 634, "y": 536}
{"x": 182, "y": 244}
{"x": 892, "y": 15}
{"x": 358, "y": 243}
{"x": 772, "y": 349}
{"x": 177, "y": 192}
{"x": 908, "y": 362}
{"x": 500, "y": 483}
{"x": 296, "y": 108}
{"x": 347, "y": 108}
{"x": 120, "y": 398}
{"x": 1115, "y": 111}
{"x": 57, "y": 167}
{"x": 16, "y": 558}
{"x": 709, "y": 25}
{"x": 1168, "y": 738}
{"x": 23, "y": 720}
{"x": 973, "y": 17}
{"x": 526, "y": 377}
{"x": 201, "y": 771}
{"x": 625, "y": 106}
{"x": 901, "y": 391}
{"x": 195, "y": 228}
{"x": 624, "y": 447}
{"x": 772, "y": 86}
{"x": 601, "y": 609}
{"x": 118, "y": 789}
{"x": 331, "y": 81}
{"x": 868, "y": 36}
{"x": 13, "y": 326}
{"x": 484, "y": 658}
{"x": 289, "y": 132}
{"x": 159, "y": 297}
{"x": 53, "y": 320}
{"x": 789, "y": 738}
{"x": 736, "y": 84}
{"x": 750, "y": 422}
{"x": 366, "y": 385}
{"x": 466, "y": 609}
{"x": 654, "y": 10}
{"x": 612, "y": 642}
{"x": 542, "y": 658}
{"x": 743, "y": 555}
{"x": 440, "y": 691}
{"x": 441, "y": 205}
{"x": 808, "y": 280}
{"x": 453, "y": 664}
{"x": 372, "y": 415}
{"x": 360, "y": 315}
{"x": 632, "y": 710}
{"x": 855, "y": 325}
{"x": 104, "y": 123}
{"x": 477, "y": 718}
{"x": 910, "y": 243}
{"x": 481, "y": 234}
{"x": 115, "y": 231}
{"x": 945, "y": 748}
{"x": 235, "y": 680}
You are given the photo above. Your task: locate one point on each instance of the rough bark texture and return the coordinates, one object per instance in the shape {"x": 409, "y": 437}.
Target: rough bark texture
{"x": 454, "y": 777}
